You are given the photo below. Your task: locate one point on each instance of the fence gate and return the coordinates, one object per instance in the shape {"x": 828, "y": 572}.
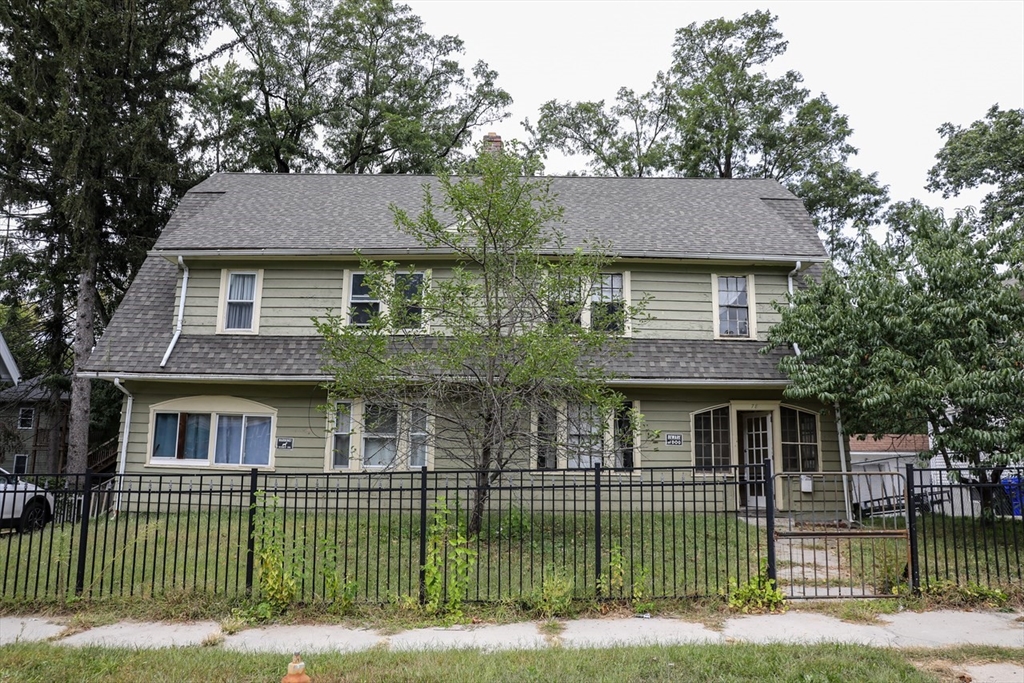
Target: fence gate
{"x": 841, "y": 535}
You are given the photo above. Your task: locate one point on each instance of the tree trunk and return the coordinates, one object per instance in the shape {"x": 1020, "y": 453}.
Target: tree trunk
{"x": 987, "y": 493}
{"x": 85, "y": 339}
{"x": 480, "y": 494}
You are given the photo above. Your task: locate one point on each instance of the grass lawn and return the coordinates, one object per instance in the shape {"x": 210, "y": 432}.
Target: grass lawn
{"x": 28, "y": 663}
{"x": 372, "y": 556}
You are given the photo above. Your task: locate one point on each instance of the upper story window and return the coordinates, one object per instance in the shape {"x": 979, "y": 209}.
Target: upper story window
{"x": 26, "y": 417}
{"x": 608, "y": 304}
{"x": 240, "y": 301}
{"x": 733, "y": 297}
{"x": 799, "y": 440}
{"x": 218, "y": 431}
{"x": 605, "y": 310}
{"x": 365, "y": 304}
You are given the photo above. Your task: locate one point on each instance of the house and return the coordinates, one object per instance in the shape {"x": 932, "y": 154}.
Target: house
{"x": 33, "y": 428}
{"x": 220, "y": 363}
{"x": 9, "y": 372}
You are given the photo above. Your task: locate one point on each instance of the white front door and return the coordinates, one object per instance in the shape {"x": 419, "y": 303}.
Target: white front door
{"x": 757, "y": 448}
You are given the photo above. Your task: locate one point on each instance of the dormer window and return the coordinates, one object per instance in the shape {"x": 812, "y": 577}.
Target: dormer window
{"x": 240, "y": 301}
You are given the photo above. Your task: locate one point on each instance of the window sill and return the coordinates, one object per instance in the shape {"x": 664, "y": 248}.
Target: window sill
{"x": 205, "y": 465}
{"x": 250, "y": 332}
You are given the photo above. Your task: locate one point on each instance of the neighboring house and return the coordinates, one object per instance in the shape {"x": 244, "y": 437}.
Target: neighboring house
{"x": 9, "y": 373}
{"x": 889, "y": 452}
{"x": 34, "y": 424}
{"x": 215, "y": 347}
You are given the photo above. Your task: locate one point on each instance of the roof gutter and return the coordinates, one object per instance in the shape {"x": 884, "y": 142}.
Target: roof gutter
{"x": 419, "y": 252}
{"x": 315, "y": 379}
{"x": 181, "y": 311}
{"x": 839, "y": 416}
{"x": 124, "y": 439}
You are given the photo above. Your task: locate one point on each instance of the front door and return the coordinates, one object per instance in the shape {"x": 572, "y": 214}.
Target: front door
{"x": 757, "y": 448}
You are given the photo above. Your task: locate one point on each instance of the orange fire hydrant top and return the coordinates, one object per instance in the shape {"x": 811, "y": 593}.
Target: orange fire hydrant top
{"x": 296, "y": 671}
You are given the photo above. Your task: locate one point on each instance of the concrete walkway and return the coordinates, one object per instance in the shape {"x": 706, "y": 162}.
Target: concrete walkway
{"x": 907, "y": 629}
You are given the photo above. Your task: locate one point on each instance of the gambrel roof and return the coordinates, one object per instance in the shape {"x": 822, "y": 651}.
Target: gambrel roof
{"x": 638, "y": 217}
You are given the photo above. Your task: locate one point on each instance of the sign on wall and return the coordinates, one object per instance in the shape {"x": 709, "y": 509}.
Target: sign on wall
{"x": 673, "y": 439}
{"x": 285, "y": 444}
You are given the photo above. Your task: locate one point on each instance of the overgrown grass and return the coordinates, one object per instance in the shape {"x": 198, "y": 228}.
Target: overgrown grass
{"x": 960, "y": 552}
{"x": 31, "y": 663}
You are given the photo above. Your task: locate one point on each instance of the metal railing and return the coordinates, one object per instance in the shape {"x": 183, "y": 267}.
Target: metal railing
{"x": 655, "y": 533}
{"x": 638, "y": 534}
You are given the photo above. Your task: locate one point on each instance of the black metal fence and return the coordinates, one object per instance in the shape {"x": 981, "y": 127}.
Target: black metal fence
{"x": 970, "y": 530}
{"x": 641, "y": 534}
{"x": 375, "y": 537}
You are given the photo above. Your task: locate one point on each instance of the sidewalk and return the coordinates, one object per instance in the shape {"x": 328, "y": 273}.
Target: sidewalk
{"x": 906, "y": 629}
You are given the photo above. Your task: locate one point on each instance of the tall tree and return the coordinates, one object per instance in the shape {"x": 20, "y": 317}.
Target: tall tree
{"x": 926, "y": 327}
{"x": 499, "y": 345}
{"x": 90, "y": 93}
{"x": 354, "y": 86}
{"x": 988, "y": 153}
{"x": 719, "y": 114}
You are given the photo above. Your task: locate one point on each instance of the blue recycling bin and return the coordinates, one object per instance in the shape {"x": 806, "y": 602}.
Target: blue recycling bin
{"x": 1015, "y": 492}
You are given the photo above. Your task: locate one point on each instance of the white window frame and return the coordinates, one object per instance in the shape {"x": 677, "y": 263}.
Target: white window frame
{"x": 562, "y": 448}
{"x": 593, "y": 298}
{"x": 817, "y": 442}
{"x": 357, "y": 435}
{"x": 215, "y": 407}
{"x": 14, "y": 464}
{"x": 30, "y": 412}
{"x": 382, "y": 306}
{"x": 730, "y": 416}
{"x": 222, "y": 301}
{"x": 751, "y": 306}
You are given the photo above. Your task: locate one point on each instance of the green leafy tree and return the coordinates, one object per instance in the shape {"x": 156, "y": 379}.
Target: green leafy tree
{"x": 717, "y": 113}
{"x": 90, "y": 93}
{"x": 926, "y": 327}
{"x": 988, "y": 153}
{"x": 354, "y": 86}
{"x": 498, "y": 343}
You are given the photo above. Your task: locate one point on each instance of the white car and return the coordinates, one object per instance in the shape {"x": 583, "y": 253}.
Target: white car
{"x": 23, "y": 505}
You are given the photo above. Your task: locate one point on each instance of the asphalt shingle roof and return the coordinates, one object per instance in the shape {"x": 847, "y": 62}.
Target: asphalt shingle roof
{"x": 137, "y": 337}
{"x": 638, "y": 216}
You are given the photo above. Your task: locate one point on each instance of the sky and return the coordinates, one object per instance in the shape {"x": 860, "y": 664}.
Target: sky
{"x": 898, "y": 70}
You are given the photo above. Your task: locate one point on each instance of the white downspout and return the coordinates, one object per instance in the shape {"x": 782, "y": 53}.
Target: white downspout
{"x": 839, "y": 418}
{"x": 124, "y": 440}
{"x": 181, "y": 311}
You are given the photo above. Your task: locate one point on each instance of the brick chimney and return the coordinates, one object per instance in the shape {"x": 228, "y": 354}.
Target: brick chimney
{"x": 492, "y": 142}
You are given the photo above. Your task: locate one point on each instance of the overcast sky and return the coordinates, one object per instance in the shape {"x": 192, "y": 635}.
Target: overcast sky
{"x": 898, "y": 70}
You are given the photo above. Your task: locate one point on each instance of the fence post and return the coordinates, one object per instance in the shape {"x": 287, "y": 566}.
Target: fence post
{"x": 597, "y": 527}
{"x": 769, "y": 511}
{"x": 423, "y": 535}
{"x": 83, "y": 539}
{"x": 914, "y": 568}
{"x": 250, "y": 545}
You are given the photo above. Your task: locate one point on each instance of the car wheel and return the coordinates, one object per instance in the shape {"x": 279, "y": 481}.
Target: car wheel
{"x": 33, "y": 517}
